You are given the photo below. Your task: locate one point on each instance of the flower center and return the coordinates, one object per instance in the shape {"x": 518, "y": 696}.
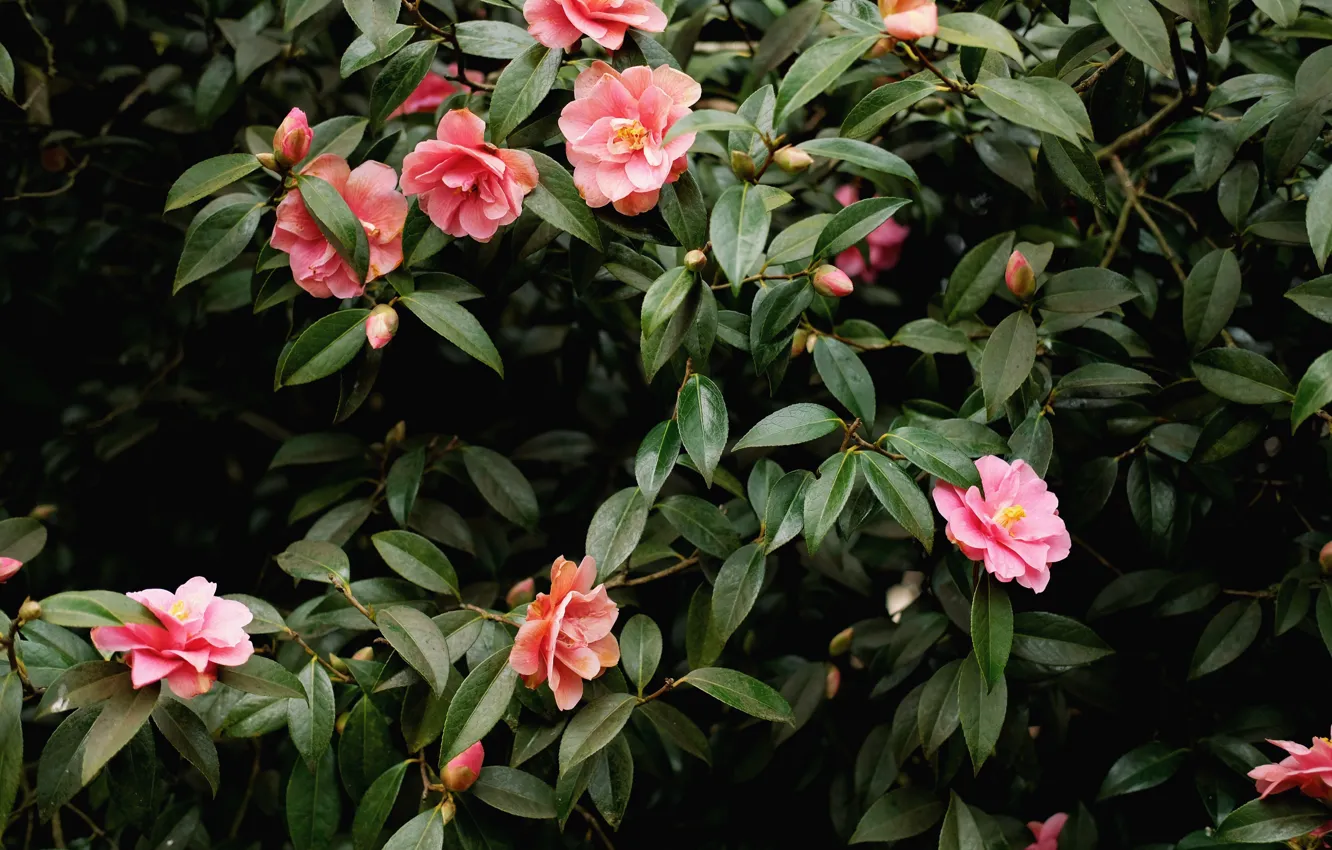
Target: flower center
{"x": 1009, "y": 515}
{"x": 179, "y": 611}
{"x": 633, "y": 135}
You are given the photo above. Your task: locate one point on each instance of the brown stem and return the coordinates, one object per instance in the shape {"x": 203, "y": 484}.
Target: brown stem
{"x": 1141, "y": 132}
{"x": 850, "y": 432}
{"x": 1097, "y": 555}
{"x": 1117, "y": 237}
{"x": 16, "y": 663}
{"x": 1096, "y": 75}
{"x": 591, "y": 819}
{"x": 664, "y": 689}
{"x": 332, "y": 671}
{"x": 1131, "y": 195}
{"x": 488, "y": 615}
{"x": 678, "y": 567}
{"x": 875, "y": 447}
{"x": 92, "y": 824}
{"x": 952, "y": 84}
{"x": 347, "y": 592}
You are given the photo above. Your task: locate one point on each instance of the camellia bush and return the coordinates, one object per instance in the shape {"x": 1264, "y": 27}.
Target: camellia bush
{"x": 621, "y": 423}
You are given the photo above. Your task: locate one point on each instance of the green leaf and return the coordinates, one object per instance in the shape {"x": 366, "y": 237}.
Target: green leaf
{"x": 736, "y": 588}
{"x": 403, "y": 482}
{"x": 616, "y": 528}
{"x": 1210, "y": 295}
{"x": 740, "y": 692}
{"x": 816, "y": 70}
{"x": 681, "y": 204}
{"x": 366, "y": 748}
{"x": 455, "y": 323}
{"x": 709, "y": 121}
{"x": 967, "y": 29}
{"x": 897, "y": 815}
{"x": 612, "y": 780}
{"x": 1283, "y": 12}
{"x": 532, "y": 739}
{"x": 932, "y": 337}
{"x": 1318, "y": 218}
{"x": 1055, "y": 641}
{"x": 701, "y": 524}
{"x": 656, "y": 457}
{"x": 593, "y": 727}
{"x": 120, "y": 720}
{"x": 310, "y": 720}
{"x": 1138, "y": 28}
{"x": 84, "y": 609}
{"x": 1314, "y": 297}
{"x": 981, "y": 711}
{"x": 739, "y": 230}
{"x": 827, "y": 496}
{"x": 312, "y": 803}
{"x": 861, "y": 153}
{"x": 1029, "y": 104}
{"x": 1076, "y": 167}
{"x": 1128, "y": 591}
{"x": 7, "y": 89}
{"x": 665, "y": 296}
{"x": 478, "y": 705}
{"x": 784, "y": 36}
{"x": 21, "y": 538}
{"x": 959, "y": 830}
{"x": 521, "y": 87}
{"x": 1240, "y": 375}
{"x": 1104, "y": 380}
{"x": 1268, "y": 821}
{"x": 557, "y": 200}
{"x": 492, "y": 39}
{"x": 674, "y": 726}
{"x": 936, "y": 455}
{"x": 1139, "y": 769}
{"x": 1009, "y": 355}
{"x": 315, "y": 560}
{"x": 217, "y": 235}
{"x": 376, "y": 806}
{"x": 845, "y": 376}
{"x": 976, "y": 275}
{"x": 417, "y": 560}
{"x": 83, "y": 685}
{"x": 419, "y": 642}
{"x": 937, "y": 714}
{"x": 1226, "y": 637}
{"x": 60, "y": 768}
{"x": 874, "y": 110}
{"x": 853, "y": 223}
{"x": 514, "y": 792}
{"x": 400, "y": 78}
{"x": 784, "y": 511}
{"x": 900, "y": 495}
{"x": 316, "y": 448}
{"x": 503, "y": 486}
{"x": 991, "y": 629}
{"x": 1086, "y": 290}
{"x": 1033, "y": 442}
{"x": 189, "y": 735}
{"x": 204, "y": 178}
{"x": 790, "y": 426}
{"x": 423, "y": 832}
{"x": 263, "y": 677}
{"x": 324, "y": 347}
{"x": 640, "y": 649}
{"x": 1314, "y": 391}
{"x": 704, "y": 427}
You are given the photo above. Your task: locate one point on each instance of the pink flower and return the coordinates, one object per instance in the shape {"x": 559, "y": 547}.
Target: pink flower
{"x": 433, "y": 90}
{"x": 1047, "y": 834}
{"x": 370, "y": 192}
{"x": 885, "y": 244}
{"x": 567, "y": 636}
{"x": 292, "y": 140}
{"x": 832, "y": 281}
{"x": 463, "y": 769}
{"x": 381, "y": 325}
{"x": 909, "y": 19}
{"x": 8, "y": 568}
{"x": 467, "y": 186}
{"x": 614, "y": 129}
{"x": 1014, "y": 527}
{"x": 560, "y": 23}
{"x": 198, "y": 633}
{"x": 1308, "y": 769}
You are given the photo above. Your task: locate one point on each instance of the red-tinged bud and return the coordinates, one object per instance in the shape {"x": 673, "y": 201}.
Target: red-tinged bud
{"x": 42, "y": 512}
{"x": 799, "y": 341}
{"x": 841, "y": 642}
{"x": 832, "y": 281}
{"x": 1019, "y": 277}
{"x": 695, "y": 260}
{"x": 792, "y": 160}
{"x": 521, "y": 593}
{"x": 742, "y": 164}
{"x": 463, "y": 769}
{"x": 381, "y": 325}
{"x": 832, "y": 681}
{"x": 365, "y": 653}
{"x": 9, "y": 567}
{"x": 292, "y": 140}
{"x": 882, "y": 47}
{"x": 1325, "y": 557}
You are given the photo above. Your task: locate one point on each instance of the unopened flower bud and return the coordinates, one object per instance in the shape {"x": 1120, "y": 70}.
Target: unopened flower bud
{"x": 381, "y": 325}
{"x": 30, "y": 610}
{"x": 340, "y": 725}
{"x": 1019, "y": 277}
{"x": 792, "y": 160}
{"x": 695, "y": 260}
{"x": 267, "y": 160}
{"x": 809, "y": 343}
{"x": 1325, "y": 557}
{"x": 8, "y": 568}
{"x": 832, "y": 281}
{"x": 832, "y": 681}
{"x": 742, "y": 164}
{"x": 882, "y": 47}
{"x": 841, "y": 642}
{"x": 292, "y": 140}
{"x": 799, "y": 341}
{"x": 42, "y": 512}
{"x": 521, "y": 593}
{"x": 338, "y": 664}
{"x": 397, "y": 433}
{"x": 463, "y": 769}
{"x": 447, "y": 809}
{"x": 365, "y": 653}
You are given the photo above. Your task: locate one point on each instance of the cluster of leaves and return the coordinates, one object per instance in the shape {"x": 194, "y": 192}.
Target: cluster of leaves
{"x": 747, "y": 461}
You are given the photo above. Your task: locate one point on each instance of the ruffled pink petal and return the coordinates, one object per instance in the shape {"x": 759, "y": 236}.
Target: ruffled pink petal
{"x": 548, "y": 24}
{"x": 147, "y": 666}
{"x": 566, "y": 686}
{"x": 231, "y": 656}
{"x": 188, "y": 683}
{"x": 947, "y": 497}
{"x": 607, "y": 650}
{"x": 330, "y": 168}
{"x": 636, "y": 203}
{"x": 993, "y": 470}
{"x": 225, "y": 621}
{"x": 579, "y": 659}
{"x": 683, "y": 89}
{"x": 526, "y": 654}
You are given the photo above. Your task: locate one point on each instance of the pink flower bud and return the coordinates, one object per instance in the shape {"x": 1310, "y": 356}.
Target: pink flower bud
{"x": 841, "y": 642}
{"x": 8, "y": 568}
{"x": 522, "y": 592}
{"x": 792, "y": 160}
{"x": 1324, "y": 557}
{"x": 462, "y": 771}
{"x": 381, "y": 325}
{"x": 365, "y": 653}
{"x": 832, "y": 682}
{"x": 695, "y": 260}
{"x": 1019, "y": 277}
{"x": 832, "y": 281}
{"x": 292, "y": 140}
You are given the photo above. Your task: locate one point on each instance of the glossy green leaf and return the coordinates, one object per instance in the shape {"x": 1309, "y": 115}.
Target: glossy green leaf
{"x": 741, "y": 692}
{"x": 204, "y": 178}
{"x": 82, "y": 609}
{"x": 557, "y": 200}
{"x": 704, "y": 426}
{"x": 784, "y": 510}
{"x": 217, "y": 235}
{"x": 861, "y": 153}
{"x": 976, "y": 275}
{"x": 1314, "y": 391}
{"x": 263, "y": 677}
{"x": 417, "y": 560}
{"x": 738, "y": 231}
{"x": 455, "y": 323}
{"x": 853, "y": 223}
{"x": 981, "y": 711}
{"x": 846, "y": 377}
{"x": 701, "y": 523}
{"x": 936, "y": 455}
{"x": 991, "y": 629}
{"x": 1138, "y": 28}
{"x": 874, "y": 110}
{"x": 1226, "y": 637}
{"x": 376, "y": 805}
{"x": 502, "y": 485}
{"x": 400, "y": 77}
{"x": 815, "y": 71}
{"x": 1210, "y": 295}
{"x": 1278, "y": 819}
{"x": 790, "y": 426}
{"x": 899, "y": 814}
{"x": 521, "y": 87}
{"x": 1086, "y": 290}
{"x": 1141, "y": 768}
{"x": 189, "y": 735}
{"x": 968, "y": 29}
{"x": 478, "y": 705}
{"x": 324, "y": 347}
{"x": 616, "y": 528}
{"x": 315, "y": 560}
{"x": 1055, "y": 640}
{"x": 1009, "y": 355}
{"x": 736, "y": 589}
{"x": 900, "y": 495}
{"x": 515, "y": 792}
{"x": 310, "y": 720}
{"x": 1243, "y": 376}
{"x": 312, "y": 803}
{"x": 826, "y": 497}
{"x": 640, "y": 650}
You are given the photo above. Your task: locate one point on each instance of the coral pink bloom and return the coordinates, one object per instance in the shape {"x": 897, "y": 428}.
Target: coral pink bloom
{"x": 463, "y": 769}
{"x": 567, "y": 636}
{"x": 885, "y": 244}
{"x": 1014, "y": 527}
{"x": 909, "y": 19}
{"x": 614, "y": 129}
{"x": 371, "y": 193}
{"x": 198, "y": 633}
{"x": 467, "y": 186}
{"x": 560, "y": 23}
{"x": 9, "y": 567}
{"x": 1306, "y": 768}
{"x": 1047, "y": 834}
{"x": 434, "y": 90}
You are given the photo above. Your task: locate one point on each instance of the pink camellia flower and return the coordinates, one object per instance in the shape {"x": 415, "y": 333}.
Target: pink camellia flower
{"x": 567, "y": 636}
{"x": 1047, "y": 834}
{"x": 832, "y": 282}
{"x": 371, "y": 192}
{"x": 560, "y": 23}
{"x": 1014, "y": 527}
{"x": 909, "y": 19}
{"x": 885, "y": 244}
{"x": 614, "y": 132}
{"x": 463, "y": 769}
{"x": 1306, "y": 768}
{"x": 198, "y": 632}
{"x": 434, "y": 89}
{"x": 8, "y": 568}
{"x": 467, "y": 186}
{"x": 292, "y": 140}
{"x": 381, "y": 325}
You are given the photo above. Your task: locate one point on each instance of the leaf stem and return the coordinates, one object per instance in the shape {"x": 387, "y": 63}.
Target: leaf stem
{"x": 332, "y": 671}
{"x": 488, "y": 615}
{"x": 664, "y": 689}
{"x": 1131, "y": 196}
{"x": 369, "y": 612}
{"x": 1086, "y": 84}
{"x": 678, "y": 567}
{"x": 1141, "y": 132}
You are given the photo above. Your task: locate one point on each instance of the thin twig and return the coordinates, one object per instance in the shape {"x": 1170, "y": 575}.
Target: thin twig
{"x": 947, "y": 80}
{"x": 347, "y": 592}
{"x": 875, "y": 447}
{"x": 1142, "y": 131}
{"x": 664, "y": 689}
{"x": 678, "y": 567}
{"x": 487, "y": 615}
{"x": 92, "y": 824}
{"x": 1097, "y": 555}
{"x": 1131, "y": 196}
{"x": 1096, "y": 75}
{"x": 744, "y": 30}
{"x": 1118, "y": 236}
{"x": 592, "y": 819}
{"x": 1256, "y": 594}
{"x": 332, "y": 671}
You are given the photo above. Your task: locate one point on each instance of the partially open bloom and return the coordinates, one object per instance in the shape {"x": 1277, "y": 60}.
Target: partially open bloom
{"x": 370, "y": 191}
{"x": 433, "y": 90}
{"x": 1306, "y": 768}
{"x": 1019, "y": 276}
{"x": 832, "y": 282}
{"x": 463, "y": 769}
{"x": 909, "y": 19}
{"x": 1047, "y": 834}
{"x": 8, "y": 568}
{"x": 567, "y": 636}
{"x": 614, "y": 131}
{"x": 292, "y": 140}
{"x": 467, "y": 186}
{"x": 198, "y": 632}
{"x": 381, "y": 325}
{"x": 560, "y": 23}
{"x": 885, "y": 244}
{"x": 521, "y": 592}
{"x": 1014, "y": 526}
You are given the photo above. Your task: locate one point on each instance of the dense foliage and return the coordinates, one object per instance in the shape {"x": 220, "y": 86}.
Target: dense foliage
{"x": 782, "y": 322}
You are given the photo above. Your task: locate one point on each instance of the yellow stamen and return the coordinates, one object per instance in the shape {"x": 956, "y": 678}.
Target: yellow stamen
{"x": 179, "y": 611}
{"x": 632, "y": 135}
{"x": 1009, "y": 515}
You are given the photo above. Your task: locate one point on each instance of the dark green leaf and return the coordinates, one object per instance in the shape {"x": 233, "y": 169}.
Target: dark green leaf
{"x": 981, "y": 711}
{"x": 739, "y": 230}
{"x": 976, "y": 275}
{"x": 1144, "y": 767}
{"x": 616, "y": 528}
{"x": 503, "y": 486}
{"x": 816, "y": 70}
{"x": 324, "y": 347}
{"x": 404, "y": 480}
{"x": 1210, "y": 295}
{"x": 515, "y": 792}
{"x": 557, "y": 200}
{"x": 874, "y": 110}
{"x": 478, "y": 704}
{"x": 593, "y": 727}
{"x": 741, "y": 692}
{"x": 1055, "y": 640}
{"x": 310, "y": 720}
{"x": 312, "y": 804}
{"x": 899, "y": 814}
{"x": 900, "y": 495}
{"x": 936, "y": 455}
{"x": 736, "y": 588}
{"x": 521, "y": 87}
{"x": 217, "y": 235}
{"x": 82, "y": 609}
{"x": 204, "y": 178}
{"x": 263, "y": 677}
{"x": 640, "y": 650}
{"x": 1086, "y": 290}
{"x": 991, "y": 629}
{"x": 1314, "y": 391}
{"x": 1264, "y": 821}
{"x": 1138, "y": 28}
{"x": 1226, "y": 637}
{"x": 790, "y": 426}
{"x": 1009, "y": 355}
{"x": 784, "y": 510}
{"x": 701, "y": 412}
{"x": 701, "y": 523}
{"x": 189, "y": 735}
{"x": 845, "y": 376}
{"x": 1240, "y": 375}
{"x": 400, "y": 78}
{"x": 374, "y": 809}
{"x": 455, "y": 323}
{"x": 853, "y": 223}
{"x": 827, "y": 496}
